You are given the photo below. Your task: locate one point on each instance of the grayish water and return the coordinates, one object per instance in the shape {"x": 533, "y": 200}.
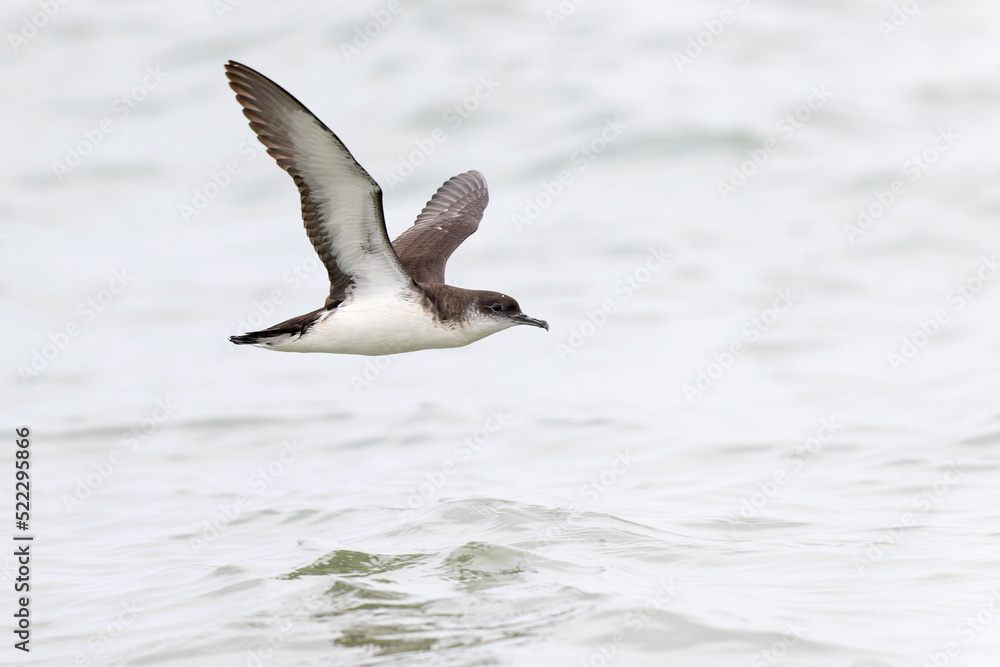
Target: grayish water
{"x": 760, "y": 431}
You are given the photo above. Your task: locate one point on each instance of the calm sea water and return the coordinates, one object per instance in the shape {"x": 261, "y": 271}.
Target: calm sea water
{"x": 763, "y": 429}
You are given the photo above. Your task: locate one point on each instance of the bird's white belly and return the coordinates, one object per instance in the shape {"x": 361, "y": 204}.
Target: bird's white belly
{"x": 375, "y": 327}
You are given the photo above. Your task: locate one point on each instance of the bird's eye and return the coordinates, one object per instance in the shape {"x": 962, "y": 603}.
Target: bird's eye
{"x": 496, "y": 307}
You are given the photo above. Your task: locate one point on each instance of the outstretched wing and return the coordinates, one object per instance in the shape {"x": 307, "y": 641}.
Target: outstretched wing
{"x": 341, "y": 203}
{"x": 452, "y": 214}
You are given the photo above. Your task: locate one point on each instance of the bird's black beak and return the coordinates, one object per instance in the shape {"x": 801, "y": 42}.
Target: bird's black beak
{"x": 521, "y": 318}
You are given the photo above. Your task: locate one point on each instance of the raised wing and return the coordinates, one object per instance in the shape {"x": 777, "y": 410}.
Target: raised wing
{"x": 452, "y": 214}
{"x": 341, "y": 203}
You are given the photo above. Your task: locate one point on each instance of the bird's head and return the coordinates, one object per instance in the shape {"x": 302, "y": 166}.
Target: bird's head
{"x": 503, "y": 310}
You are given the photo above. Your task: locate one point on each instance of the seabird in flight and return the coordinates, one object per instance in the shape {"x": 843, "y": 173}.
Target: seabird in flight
{"x": 384, "y": 298}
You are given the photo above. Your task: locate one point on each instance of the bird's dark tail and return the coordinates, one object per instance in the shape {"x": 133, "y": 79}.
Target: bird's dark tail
{"x": 279, "y": 333}
{"x": 245, "y": 339}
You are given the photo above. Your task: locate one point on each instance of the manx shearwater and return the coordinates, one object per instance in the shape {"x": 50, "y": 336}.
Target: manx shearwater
{"x": 384, "y": 298}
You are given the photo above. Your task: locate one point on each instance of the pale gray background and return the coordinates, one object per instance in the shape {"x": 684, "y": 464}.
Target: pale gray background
{"x": 604, "y": 490}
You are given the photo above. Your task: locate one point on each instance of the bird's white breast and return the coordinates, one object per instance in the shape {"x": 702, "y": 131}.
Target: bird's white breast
{"x": 384, "y": 326}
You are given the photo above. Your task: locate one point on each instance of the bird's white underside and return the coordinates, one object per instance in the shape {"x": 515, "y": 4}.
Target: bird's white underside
{"x": 385, "y": 324}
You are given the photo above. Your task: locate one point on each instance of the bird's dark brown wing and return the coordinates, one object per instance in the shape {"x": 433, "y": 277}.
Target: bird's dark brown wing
{"x": 341, "y": 203}
{"x": 450, "y": 217}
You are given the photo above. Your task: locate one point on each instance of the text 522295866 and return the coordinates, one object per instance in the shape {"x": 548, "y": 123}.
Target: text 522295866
{"x": 22, "y": 542}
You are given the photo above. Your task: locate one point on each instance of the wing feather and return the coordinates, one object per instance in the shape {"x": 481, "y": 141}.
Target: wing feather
{"x": 450, "y": 217}
{"x": 341, "y": 203}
